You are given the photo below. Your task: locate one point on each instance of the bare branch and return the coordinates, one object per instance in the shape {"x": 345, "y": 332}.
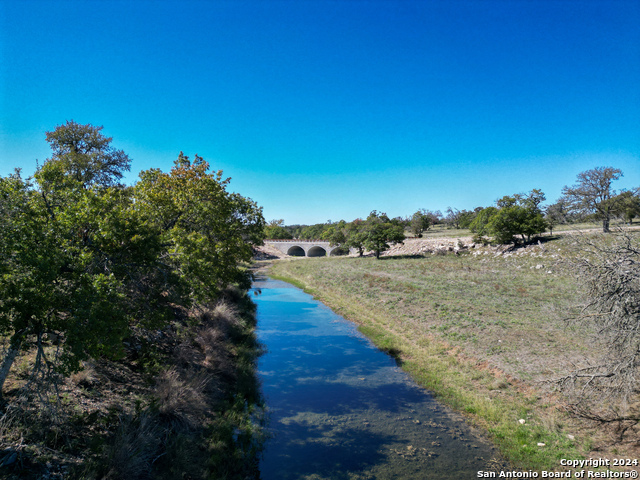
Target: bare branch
{"x": 608, "y": 272}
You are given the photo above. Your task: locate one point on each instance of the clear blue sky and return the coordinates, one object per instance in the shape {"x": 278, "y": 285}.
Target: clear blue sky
{"x": 329, "y": 109}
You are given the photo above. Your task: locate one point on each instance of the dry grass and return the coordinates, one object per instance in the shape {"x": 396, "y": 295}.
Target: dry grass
{"x": 166, "y": 411}
{"x": 135, "y": 447}
{"x": 180, "y": 399}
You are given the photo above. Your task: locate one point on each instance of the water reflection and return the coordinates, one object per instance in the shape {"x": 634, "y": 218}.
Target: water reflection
{"x": 341, "y": 409}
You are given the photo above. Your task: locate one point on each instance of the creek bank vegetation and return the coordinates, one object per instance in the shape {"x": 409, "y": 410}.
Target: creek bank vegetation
{"x": 129, "y": 346}
{"x": 499, "y": 334}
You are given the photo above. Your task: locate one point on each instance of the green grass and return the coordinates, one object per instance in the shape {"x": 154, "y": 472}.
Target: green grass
{"x": 481, "y": 332}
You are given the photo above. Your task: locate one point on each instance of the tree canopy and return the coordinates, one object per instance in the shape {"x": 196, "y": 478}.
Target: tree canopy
{"x": 515, "y": 215}
{"x": 379, "y": 231}
{"x": 86, "y": 259}
{"x": 420, "y": 222}
{"x": 82, "y": 155}
{"x": 274, "y": 229}
{"x": 626, "y": 205}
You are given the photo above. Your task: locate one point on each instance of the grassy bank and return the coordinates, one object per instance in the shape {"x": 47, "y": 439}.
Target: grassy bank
{"x": 183, "y": 403}
{"x": 482, "y": 331}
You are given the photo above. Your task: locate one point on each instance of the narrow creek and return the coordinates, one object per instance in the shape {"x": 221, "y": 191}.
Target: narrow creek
{"x": 339, "y": 408}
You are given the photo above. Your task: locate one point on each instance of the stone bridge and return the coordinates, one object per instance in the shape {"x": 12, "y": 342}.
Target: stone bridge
{"x": 303, "y": 248}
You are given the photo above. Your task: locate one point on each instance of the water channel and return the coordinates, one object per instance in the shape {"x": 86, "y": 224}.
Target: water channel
{"x": 341, "y": 409}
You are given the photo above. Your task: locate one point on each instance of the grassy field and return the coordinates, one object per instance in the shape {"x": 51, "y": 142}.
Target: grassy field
{"x": 484, "y": 332}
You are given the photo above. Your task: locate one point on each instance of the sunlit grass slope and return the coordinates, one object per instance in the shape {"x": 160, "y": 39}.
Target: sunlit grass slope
{"x": 483, "y": 332}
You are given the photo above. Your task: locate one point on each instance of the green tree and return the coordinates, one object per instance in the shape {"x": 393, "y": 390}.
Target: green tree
{"x": 380, "y": 231}
{"x": 435, "y": 217}
{"x": 420, "y": 222}
{"x": 336, "y": 233}
{"x": 86, "y": 259}
{"x": 556, "y": 214}
{"x": 627, "y": 205}
{"x": 465, "y": 218}
{"x": 480, "y": 224}
{"x": 460, "y": 218}
{"x": 453, "y": 217}
{"x": 511, "y": 221}
{"x": 75, "y": 257}
{"x": 207, "y": 233}
{"x": 515, "y": 215}
{"x": 275, "y": 230}
{"x": 355, "y": 235}
{"x": 506, "y": 223}
{"x": 314, "y": 232}
{"x": 533, "y": 222}
{"x": 532, "y": 200}
{"x": 82, "y": 156}
{"x": 592, "y": 194}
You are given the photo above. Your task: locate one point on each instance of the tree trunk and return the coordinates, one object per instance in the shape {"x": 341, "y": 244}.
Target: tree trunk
{"x": 9, "y": 357}
{"x": 605, "y": 224}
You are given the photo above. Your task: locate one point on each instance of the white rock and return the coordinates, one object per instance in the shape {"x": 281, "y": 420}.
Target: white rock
{"x": 522, "y": 421}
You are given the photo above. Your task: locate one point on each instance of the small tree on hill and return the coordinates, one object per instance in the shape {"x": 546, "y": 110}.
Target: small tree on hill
{"x": 556, "y": 214}
{"x": 380, "y": 231}
{"x": 420, "y": 222}
{"x": 460, "y": 218}
{"x": 453, "y": 217}
{"x": 480, "y": 224}
{"x": 516, "y": 215}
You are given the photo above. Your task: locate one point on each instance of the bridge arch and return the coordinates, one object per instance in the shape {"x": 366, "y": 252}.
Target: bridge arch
{"x": 316, "y": 251}
{"x": 307, "y": 248}
{"x": 338, "y": 251}
{"x": 296, "y": 251}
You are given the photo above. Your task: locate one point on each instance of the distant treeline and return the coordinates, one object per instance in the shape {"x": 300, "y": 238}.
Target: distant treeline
{"x": 513, "y": 218}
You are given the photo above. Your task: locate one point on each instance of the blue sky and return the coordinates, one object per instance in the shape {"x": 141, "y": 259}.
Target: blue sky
{"x": 325, "y": 110}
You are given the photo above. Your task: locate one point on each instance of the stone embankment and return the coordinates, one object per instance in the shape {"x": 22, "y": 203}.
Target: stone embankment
{"x": 267, "y": 252}
{"x": 441, "y": 246}
{"x": 420, "y": 246}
